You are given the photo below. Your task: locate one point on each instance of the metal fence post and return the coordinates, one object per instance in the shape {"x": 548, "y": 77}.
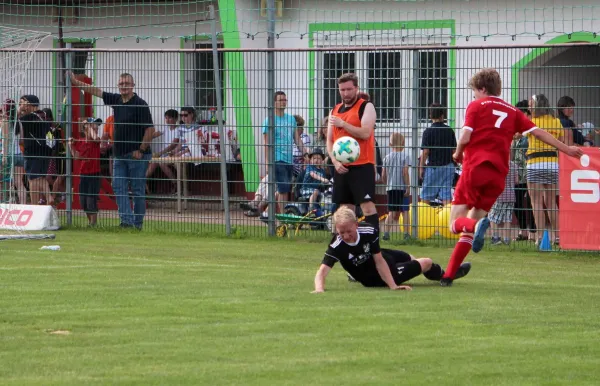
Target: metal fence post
{"x": 69, "y": 134}
{"x": 222, "y": 137}
{"x": 415, "y": 146}
{"x": 271, "y": 129}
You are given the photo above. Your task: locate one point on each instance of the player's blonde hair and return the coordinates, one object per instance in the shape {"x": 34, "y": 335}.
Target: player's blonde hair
{"x": 343, "y": 215}
{"x": 397, "y": 141}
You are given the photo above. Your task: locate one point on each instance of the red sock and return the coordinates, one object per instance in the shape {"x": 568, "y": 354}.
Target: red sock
{"x": 461, "y": 250}
{"x": 463, "y": 225}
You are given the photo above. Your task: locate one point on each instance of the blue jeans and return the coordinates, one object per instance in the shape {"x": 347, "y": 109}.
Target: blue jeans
{"x": 437, "y": 182}
{"x": 131, "y": 173}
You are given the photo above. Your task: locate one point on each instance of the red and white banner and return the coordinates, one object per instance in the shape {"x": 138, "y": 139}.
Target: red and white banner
{"x": 28, "y": 217}
{"x": 579, "y": 213}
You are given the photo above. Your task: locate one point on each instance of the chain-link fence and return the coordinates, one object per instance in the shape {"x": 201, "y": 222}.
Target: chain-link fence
{"x": 209, "y": 109}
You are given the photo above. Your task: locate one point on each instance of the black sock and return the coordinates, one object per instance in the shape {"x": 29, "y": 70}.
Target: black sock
{"x": 435, "y": 272}
{"x": 373, "y": 220}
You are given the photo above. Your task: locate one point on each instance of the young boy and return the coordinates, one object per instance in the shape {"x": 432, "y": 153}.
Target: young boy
{"x": 488, "y": 130}
{"x": 87, "y": 150}
{"x": 314, "y": 177}
{"x": 501, "y": 213}
{"x": 395, "y": 174}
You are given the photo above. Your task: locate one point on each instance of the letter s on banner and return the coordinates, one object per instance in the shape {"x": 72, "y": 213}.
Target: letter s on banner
{"x": 579, "y": 185}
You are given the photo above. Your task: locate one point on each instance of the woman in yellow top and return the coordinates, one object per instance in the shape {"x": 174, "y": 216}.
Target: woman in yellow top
{"x": 542, "y": 166}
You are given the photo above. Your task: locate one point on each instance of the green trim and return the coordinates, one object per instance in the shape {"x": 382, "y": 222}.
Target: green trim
{"x": 379, "y": 26}
{"x": 239, "y": 92}
{"x": 525, "y": 60}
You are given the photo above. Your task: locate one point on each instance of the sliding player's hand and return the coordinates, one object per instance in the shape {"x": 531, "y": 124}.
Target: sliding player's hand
{"x": 403, "y": 288}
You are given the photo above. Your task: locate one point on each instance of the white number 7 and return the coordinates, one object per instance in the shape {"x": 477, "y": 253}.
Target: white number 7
{"x": 501, "y": 117}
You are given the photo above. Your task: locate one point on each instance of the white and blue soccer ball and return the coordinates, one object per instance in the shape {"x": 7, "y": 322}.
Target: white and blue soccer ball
{"x": 346, "y": 150}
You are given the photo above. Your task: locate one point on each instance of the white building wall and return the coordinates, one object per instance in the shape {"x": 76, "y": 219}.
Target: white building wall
{"x": 158, "y": 79}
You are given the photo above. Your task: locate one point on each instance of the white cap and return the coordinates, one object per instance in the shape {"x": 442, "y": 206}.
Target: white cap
{"x": 587, "y": 125}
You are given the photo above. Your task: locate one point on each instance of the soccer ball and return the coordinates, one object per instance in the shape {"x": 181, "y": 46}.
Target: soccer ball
{"x": 346, "y": 150}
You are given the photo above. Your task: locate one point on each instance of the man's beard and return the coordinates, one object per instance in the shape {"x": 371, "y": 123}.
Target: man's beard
{"x": 351, "y": 101}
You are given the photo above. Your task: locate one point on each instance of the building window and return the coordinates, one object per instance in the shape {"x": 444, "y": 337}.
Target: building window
{"x": 334, "y": 65}
{"x": 384, "y": 83}
{"x": 205, "y": 90}
{"x": 433, "y": 80}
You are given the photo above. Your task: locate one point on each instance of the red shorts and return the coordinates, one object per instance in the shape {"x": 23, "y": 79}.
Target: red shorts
{"x": 479, "y": 187}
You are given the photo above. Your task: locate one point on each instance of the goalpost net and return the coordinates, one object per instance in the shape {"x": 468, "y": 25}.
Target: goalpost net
{"x": 17, "y": 49}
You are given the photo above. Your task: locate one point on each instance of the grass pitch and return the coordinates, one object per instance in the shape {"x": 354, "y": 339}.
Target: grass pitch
{"x": 148, "y": 308}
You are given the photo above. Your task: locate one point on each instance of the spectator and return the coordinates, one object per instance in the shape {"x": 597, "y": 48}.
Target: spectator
{"x": 255, "y": 207}
{"x": 300, "y": 159}
{"x": 133, "y": 133}
{"x": 284, "y": 137}
{"x": 191, "y": 139}
{"x": 378, "y": 159}
{"x": 169, "y": 141}
{"x": 501, "y": 213}
{"x": 523, "y": 210}
{"x": 106, "y": 144}
{"x": 542, "y": 166}
{"x": 34, "y": 132}
{"x": 314, "y": 178}
{"x": 436, "y": 165}
{"x": 57, "y": 166}
{"x": 395, "y": 175}
{"x": 87, "y": 150}
{"x": 587, "y": 130}
{"x": 565, "y": 108}
{"x": 320, "y": 140}
{"x": 11, "y": 150}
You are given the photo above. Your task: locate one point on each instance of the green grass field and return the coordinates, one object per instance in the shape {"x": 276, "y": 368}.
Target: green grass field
{"x": 151, "y": 308}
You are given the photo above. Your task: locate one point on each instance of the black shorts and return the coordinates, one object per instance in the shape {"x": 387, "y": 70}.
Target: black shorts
{"x": 36, "y": 167}
{"x": 402, "y": 267}
{"x": 89, "y": 188}
{"x": 354, "y": 187}
{"x": 395, "y": 200}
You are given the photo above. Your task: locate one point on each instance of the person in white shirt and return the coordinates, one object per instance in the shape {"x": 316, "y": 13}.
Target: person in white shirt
{"x": 169, "y": 139}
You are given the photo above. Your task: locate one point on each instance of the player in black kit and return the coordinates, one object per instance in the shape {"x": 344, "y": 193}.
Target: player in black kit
{"x": 356, "y": 248}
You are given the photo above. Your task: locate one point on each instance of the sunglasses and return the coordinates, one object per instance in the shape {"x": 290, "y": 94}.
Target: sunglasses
{"x": 184, "y": 115}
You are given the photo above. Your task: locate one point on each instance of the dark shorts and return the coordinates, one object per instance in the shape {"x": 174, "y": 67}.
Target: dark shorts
{"x": 36, "y": 167}
{"x": 402, "y": 267}
{"x": 356, "y": 186}
{"x": 283, "y": 177}
{"x": 89, "y": 188}
{"x": 395, "y": 200}
{"x": 479, "y": 187}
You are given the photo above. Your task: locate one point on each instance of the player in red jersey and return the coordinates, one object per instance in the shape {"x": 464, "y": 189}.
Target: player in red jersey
{"x": 484, "y": 151}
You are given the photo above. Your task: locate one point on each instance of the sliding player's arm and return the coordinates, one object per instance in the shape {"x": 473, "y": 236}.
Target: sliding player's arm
{"x": 367, "y": 123}
{"x": 386, "y": 275}
{"x": 320, "y": 278}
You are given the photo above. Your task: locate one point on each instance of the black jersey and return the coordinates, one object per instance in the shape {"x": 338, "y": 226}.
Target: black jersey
{"x": 357, "y": 259}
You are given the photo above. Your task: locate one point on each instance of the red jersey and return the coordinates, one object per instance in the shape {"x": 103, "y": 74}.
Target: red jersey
{"x": 493, "y": 123}
{"x": 89, "y": 154}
